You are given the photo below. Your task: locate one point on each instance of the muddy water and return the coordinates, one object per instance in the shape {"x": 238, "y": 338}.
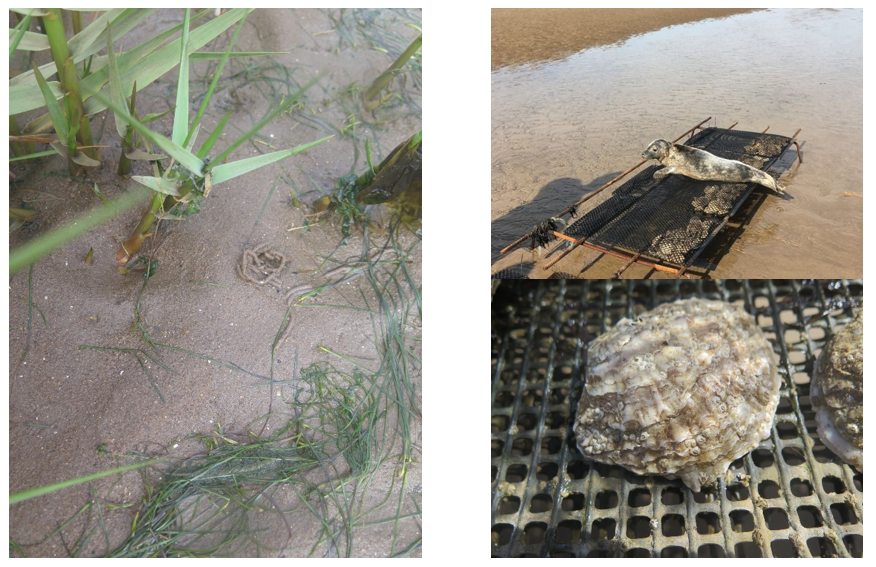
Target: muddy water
{"x": 561, "y": 129}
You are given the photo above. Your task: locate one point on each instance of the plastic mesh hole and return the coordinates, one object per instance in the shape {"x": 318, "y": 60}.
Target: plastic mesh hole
{"x": 638, "y": 527}
{"x": 710, "y": 550}
{"x": 496, "y": 447}
{"x": 521, "y": 447}
{"x": 786, "y": 430}
{"x": 534, "y": 533}
{"x": 672, "y": 495}
{"x": 673, "y": 525}
{"x": 809, "y": 424}
{"x": 508, "y": 377}
{"x": 776, "y": 519}
{"x": 495, "y": 472}
{"x": 800, "y": 378}
{"x": 501, "y": 534}
{"x": 603, "y": 529}
{"x": 833, "y": 484}
{"x": 540, "y": 503}
{"x": 606, "y": 499}
{"x": 608, "y": 471}
{"x": 499, "y": 423}
{"x": 784, "y": 406}
{"x": 559, "y": 395}
{"x": 796, "y": 357}
{"x": 859, "y": 482}
{"x": 820, "y": 547}
{"x": 639, "y": 497}
{"x": 762, "y": 458}
{"x": 793, "y": 456}
{"x": 708, "y": 523}
{"x": 737, "y": 492}
{"x": 748, "y": 549}
{"x": 675, "y": 552}
{"x": 551, "y": 445}
{"x": 843, "y": 513}
{"x": 547, "y": 471}
{"x": 768, "y": 489}
{"x": 801, "y": 487}
{"x": 706, "y": 496}
{"x": 809, "y": 516}
{"x": 504, "y": 400}
{"x": 562, "y": 373}
{"x": 515, "y": 473}
{"x": 527, "y": 421}
{"x": 639, "y": 552}
{"x": 555, "y": 420}
{"x": 855, "y": 544}
{"x": 572, "y": 502}
{"x": 568, "y": 531}
{"x": 577, "y": 470}
{"x": 741, "y": 521}
{"x": 783, "y": 548}
{"x": 509, "y": 505}
{"x": 823, "y": 455}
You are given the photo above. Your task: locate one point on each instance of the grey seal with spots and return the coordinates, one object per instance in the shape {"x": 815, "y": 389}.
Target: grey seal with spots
{"x": 700, "y": 164}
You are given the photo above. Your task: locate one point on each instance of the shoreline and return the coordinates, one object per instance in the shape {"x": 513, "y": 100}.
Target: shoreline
{"x": 529, "y": 35}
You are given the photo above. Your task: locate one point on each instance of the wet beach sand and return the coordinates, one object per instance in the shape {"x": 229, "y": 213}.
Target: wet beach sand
{"x": 78, "y": 411}
{"x": 530, "y": 34}
{"x": 577, "y": 96}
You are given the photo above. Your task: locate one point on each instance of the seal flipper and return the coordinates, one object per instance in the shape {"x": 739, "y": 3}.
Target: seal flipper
{"x": 661, "y": 173}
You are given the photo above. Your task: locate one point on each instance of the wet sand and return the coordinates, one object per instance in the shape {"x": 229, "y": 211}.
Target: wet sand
{"x": 74, "y": 412}
{"x": 563, "y": 128}
{"x": 529, "y": 35}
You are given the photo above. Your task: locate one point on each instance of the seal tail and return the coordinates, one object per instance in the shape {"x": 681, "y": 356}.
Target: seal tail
{"x": 773, "y": 183}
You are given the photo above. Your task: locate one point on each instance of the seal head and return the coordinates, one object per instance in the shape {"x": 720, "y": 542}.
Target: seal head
{"x": 658, "y": 149}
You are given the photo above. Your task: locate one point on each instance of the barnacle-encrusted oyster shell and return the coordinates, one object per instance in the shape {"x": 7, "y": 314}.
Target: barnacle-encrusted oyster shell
{"x": 837, "y": 393}
{"x": 682, "y": 391}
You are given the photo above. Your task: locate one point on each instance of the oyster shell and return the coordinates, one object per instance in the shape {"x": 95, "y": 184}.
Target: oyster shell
{"x": 837, "y": 393}
{"x": 681, "y": 392}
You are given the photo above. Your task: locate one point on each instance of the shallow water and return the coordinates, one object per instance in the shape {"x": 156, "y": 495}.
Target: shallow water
{"x": 561, "y": 129}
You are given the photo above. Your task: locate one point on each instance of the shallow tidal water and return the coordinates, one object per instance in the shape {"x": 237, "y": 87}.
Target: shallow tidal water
{"x": 563, "y": 128}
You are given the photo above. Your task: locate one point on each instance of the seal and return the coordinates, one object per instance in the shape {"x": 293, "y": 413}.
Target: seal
{"x": 700, "y": 164}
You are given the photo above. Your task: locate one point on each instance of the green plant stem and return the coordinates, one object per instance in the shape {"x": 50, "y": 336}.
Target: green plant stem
{"x": 384, "y": 79}
{"x": 138, "y": 236}
{"x": 77, "y": 21}
{"x": 74, "y": 95}
{"x": 26, "y": 494}
{"x": 54, "y": 26}
{"x": 23, "y": 214}
{"x": 125, "y": 166}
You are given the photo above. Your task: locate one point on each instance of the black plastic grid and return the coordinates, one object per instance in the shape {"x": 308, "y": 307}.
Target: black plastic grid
{"x": 666, "y": 221}
{"x": 791, "y": 497}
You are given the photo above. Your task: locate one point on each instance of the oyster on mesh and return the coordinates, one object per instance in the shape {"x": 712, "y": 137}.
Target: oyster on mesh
{"x": 681, "y": 391}
{"x": 837, "y": 393}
